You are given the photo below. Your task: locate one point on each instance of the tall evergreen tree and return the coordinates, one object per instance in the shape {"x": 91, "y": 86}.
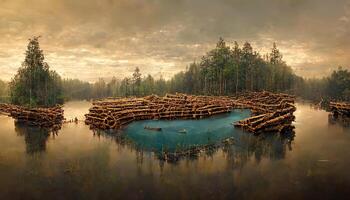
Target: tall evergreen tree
{"x": 247, "y": 59}
{"x": 275, "y": 55}
{"x": 34, "y": 84}
{"x": 136, "y": 81}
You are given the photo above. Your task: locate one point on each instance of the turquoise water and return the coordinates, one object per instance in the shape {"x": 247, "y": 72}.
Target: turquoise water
{"x": 178, "y": 134}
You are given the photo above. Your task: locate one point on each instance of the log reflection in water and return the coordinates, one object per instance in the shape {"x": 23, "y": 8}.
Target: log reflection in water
{"x": 35, "y": 137}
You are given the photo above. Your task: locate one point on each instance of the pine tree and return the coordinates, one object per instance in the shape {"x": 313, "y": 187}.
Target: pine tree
{"x": 136, "y": 81}
{"x": 275, "y": 55}
{"x": 236, "y": 59}
{"x": 34, "y": 84}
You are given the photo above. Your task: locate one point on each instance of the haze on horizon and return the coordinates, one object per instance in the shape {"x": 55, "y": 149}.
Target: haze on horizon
{"x": 88, "y": 39}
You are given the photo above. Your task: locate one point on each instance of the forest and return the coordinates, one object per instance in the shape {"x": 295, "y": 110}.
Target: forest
{"x": 223, "y": 70}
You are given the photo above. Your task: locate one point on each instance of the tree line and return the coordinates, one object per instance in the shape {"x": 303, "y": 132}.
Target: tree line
{"x": 333, "y": 87}
{"x": 224, "y": 70}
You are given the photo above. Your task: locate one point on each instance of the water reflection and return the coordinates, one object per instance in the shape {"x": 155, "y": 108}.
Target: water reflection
{"x": 35, "y": 138}
{"x": 80, "y": 164}
{"x": 341, "y": 120}
{"x": 237, "y": 151}
{"x": 273, "y": 147}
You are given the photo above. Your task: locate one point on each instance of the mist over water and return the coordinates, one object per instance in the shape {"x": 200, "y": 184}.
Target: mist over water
{"x": 80, "y": 163}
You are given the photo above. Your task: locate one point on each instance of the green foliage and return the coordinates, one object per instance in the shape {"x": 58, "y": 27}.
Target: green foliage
{"x": 35, "y": 84}
{"x": 4, "y": 93}
{"x": 224, "y": 70}
{"x": 74, "y": 89}
{"x": 335, "y": 87}
{"x": 3, "y": 88}
{"x": 136, "y": 78}
{"x": 338, "y": 85}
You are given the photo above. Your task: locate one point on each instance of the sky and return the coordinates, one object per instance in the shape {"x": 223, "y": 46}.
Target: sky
{"x": 89, "y": 39}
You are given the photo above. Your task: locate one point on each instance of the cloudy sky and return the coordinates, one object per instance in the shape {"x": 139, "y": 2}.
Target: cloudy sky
{"x": 88, "y": 39}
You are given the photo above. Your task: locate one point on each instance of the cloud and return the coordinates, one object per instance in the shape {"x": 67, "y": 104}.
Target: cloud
{"x": 88, "y": 39}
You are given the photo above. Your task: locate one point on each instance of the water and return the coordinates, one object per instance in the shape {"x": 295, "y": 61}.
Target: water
{"x": 79, "y": 163}
{"x": 182, "y": 134}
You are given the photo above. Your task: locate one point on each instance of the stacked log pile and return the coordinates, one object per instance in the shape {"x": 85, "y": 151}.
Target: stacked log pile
{"x": 42, "y": 117}
{"x": 272, "y": 112}
{"x": 264, "y": 102}
{"x": 279, "y": 121}
{"x": 6, "y": 109}
{"x": 342, "y": 109}
{"x": 340, "y": 112}
{"x": 115, "y": 113}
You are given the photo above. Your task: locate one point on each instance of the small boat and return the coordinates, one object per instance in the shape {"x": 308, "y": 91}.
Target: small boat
{"x": 182, "y": 131}
{"x": 153, "y": 128}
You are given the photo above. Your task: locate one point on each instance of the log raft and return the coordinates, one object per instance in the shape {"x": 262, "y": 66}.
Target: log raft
{"x": 42, "y": 117}
{"x": 272, "y": 112}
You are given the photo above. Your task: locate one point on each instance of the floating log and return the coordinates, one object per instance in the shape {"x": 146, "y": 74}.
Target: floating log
{"x": 153, "y": 128}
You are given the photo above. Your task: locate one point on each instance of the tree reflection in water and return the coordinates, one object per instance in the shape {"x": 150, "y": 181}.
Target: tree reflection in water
{"x": 237, "y": 151}
{"x": 35, "y": 137}
{"x": 248, "y": 146}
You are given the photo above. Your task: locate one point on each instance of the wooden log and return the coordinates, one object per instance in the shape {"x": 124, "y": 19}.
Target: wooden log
{"x": 180, "y": 106}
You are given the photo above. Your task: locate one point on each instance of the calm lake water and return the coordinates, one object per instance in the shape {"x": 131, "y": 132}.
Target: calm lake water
{"x": 80, "y": 163}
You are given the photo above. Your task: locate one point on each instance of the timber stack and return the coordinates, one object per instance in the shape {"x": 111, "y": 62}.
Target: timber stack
{"x": 272, "y": 112}
{"x": 43, "y": 117}
{"x": 340, "y": 111}
{"x": 5, "y": 109}
{"x": 116, "y": 113}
